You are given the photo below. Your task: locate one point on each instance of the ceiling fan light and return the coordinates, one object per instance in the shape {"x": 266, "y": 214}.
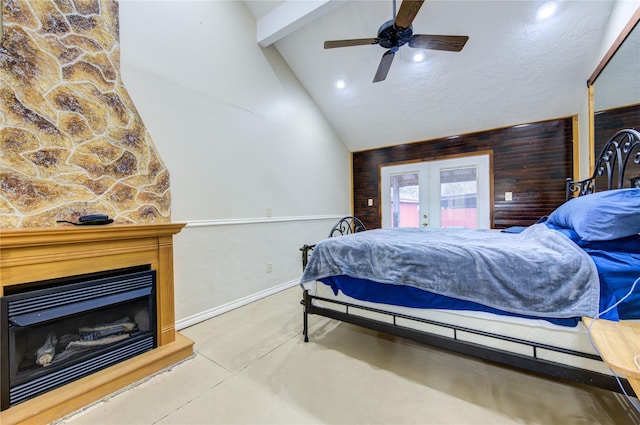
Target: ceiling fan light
{"x": 546, "y": 10}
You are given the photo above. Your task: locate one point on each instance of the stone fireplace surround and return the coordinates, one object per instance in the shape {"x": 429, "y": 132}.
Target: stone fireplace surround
{"x": 72, "y": 140}
{"x": 73, "y": 144}
{"x": 28, "y": 255}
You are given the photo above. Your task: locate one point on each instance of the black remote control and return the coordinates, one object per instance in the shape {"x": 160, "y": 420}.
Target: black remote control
{"x": 93, "y": 217}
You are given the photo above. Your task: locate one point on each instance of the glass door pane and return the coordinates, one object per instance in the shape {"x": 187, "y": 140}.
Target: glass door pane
{"x": 463, "y": 187}
{"x": 459, "y": 197}
{"x": 404, "y": 191}
{"x": 405, "y": 200}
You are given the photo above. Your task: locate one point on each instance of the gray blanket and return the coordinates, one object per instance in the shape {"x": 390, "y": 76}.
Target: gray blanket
{"x": 538, "y": 272}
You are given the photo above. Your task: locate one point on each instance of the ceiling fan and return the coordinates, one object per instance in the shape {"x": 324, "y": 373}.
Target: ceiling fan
{"x": 397, "y": 32}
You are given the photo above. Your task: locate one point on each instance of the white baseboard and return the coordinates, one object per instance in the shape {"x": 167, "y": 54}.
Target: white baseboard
{"x": 208, "y": 314}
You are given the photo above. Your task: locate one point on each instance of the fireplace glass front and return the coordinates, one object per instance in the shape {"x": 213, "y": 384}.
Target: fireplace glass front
{"x": 55, "y": 332}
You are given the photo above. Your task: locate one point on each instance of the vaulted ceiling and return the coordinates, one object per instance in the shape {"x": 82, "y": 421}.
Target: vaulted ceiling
{"x": 514, "y": 68}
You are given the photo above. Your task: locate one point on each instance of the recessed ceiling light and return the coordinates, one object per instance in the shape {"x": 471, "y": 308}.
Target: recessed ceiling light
{"x": 340, "y": 84}
{"x": 546, "y": 10}
{"x": 418, "y": 56}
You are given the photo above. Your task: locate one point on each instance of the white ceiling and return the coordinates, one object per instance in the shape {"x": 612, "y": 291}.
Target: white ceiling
{"x": 512, "y": 70}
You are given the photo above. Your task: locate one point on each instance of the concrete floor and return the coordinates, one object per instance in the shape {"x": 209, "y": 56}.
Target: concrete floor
{"x": 252, "y": 367}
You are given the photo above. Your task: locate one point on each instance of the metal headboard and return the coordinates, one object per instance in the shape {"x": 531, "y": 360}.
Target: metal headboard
{"x": 344, "y": 226}
{"x": 620, "y": 151}
{"x": 347, "y": 225}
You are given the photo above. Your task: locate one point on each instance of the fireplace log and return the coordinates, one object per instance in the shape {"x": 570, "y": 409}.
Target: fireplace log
{"x": 80, "y": 347}
{"x": 92, "y": 333}
{"x": 44, "y": 355}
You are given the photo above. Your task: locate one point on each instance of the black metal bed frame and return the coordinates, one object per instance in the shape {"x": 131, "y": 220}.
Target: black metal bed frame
{"x": 621, "y": 150}
{"x": 344, "y": 226}
{"x": 616, "y": 155}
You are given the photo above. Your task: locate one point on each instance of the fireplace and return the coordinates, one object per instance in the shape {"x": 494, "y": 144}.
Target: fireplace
{"x": 121, "y": 283}
{"x": 54, "y": 332}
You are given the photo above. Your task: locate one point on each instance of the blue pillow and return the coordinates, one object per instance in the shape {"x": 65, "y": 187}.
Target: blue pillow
{"x": 601, "y": 216}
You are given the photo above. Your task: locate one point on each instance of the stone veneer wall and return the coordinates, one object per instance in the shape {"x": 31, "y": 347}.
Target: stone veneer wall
{"x": 71, "y": 140}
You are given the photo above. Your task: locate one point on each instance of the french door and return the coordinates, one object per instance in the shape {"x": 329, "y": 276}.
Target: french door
{"x": 444, "y": 193}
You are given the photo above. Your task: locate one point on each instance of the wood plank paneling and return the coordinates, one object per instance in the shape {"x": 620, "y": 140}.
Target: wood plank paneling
{"x": 532, "y": 161}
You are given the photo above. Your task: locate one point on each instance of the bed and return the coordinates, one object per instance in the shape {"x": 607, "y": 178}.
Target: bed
{"x": 514, "y": 297}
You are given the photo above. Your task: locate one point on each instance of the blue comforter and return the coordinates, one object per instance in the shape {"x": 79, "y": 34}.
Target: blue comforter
{"x": 539, "y": 272}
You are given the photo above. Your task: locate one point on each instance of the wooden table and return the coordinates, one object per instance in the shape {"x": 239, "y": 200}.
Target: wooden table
{"x": 618, "y": 344}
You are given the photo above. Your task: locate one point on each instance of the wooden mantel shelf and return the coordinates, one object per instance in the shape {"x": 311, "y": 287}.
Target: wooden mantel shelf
{"x": 35, "y": 254}
{"x": 68, "y": 233}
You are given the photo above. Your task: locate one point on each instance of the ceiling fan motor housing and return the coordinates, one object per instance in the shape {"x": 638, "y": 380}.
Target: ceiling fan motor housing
{"x": 390, "y": 36}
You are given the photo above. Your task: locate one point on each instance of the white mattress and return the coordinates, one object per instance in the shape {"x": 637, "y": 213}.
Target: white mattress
{"x": 539, "y": 331}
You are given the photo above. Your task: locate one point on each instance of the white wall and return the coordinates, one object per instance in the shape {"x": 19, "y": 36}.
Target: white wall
{"x": 243, "y": 142}
{"x": 256, "y": 171}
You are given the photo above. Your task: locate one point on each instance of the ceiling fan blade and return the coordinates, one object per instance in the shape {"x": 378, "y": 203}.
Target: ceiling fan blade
{"x": 347, "y": 43}
{"x": 408, "y": 11}
{"x": 450, "y": 43}
{"x": 383, "y": 68}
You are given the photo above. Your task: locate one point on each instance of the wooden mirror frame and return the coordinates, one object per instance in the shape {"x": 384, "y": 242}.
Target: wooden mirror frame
{"x": 628, "y": 28}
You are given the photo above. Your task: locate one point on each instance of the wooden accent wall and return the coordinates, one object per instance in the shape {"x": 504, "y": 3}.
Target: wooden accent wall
{"x": 531, "y": 160}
